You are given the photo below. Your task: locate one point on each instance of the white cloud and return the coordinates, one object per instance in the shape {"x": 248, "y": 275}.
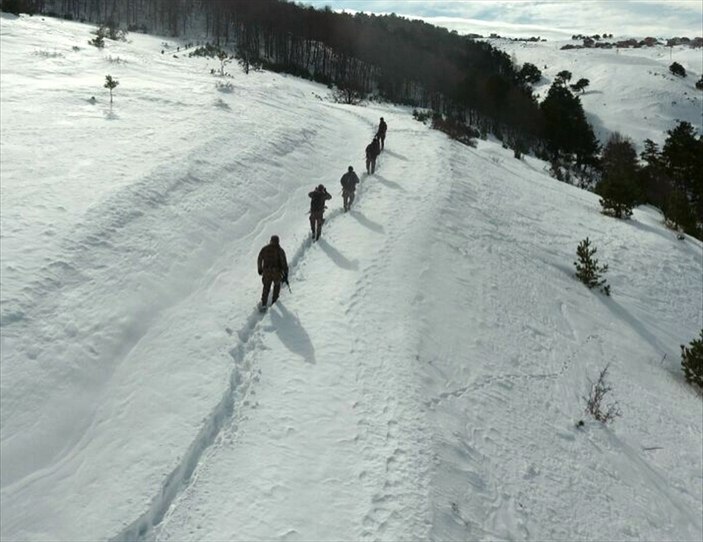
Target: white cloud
{"x": 550, "y": 18}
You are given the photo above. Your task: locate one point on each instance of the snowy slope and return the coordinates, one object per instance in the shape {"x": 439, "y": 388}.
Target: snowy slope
{"x": 423, "y": 378}
{"x": 631, "y": 91}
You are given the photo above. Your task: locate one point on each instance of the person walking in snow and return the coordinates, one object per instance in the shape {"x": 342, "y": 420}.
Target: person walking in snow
{"x": 273, "y": 269}
{"x": 349, "y": 181}
{"x": 318, "y": 197}
{"x": 381, "y": 134}
{"x": 373, "y": 149}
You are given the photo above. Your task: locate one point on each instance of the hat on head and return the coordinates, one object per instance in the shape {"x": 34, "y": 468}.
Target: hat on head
{"x": 351, "y": 168}
{"x": 274, "y": 239}
{"x": 321, "y": 187}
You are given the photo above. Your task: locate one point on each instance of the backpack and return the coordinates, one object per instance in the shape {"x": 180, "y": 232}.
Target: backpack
{"x": 317, "y": 201}
{"x": 348, "y": 181}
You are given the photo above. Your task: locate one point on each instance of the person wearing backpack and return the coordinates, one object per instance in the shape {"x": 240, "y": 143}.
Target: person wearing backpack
{"x": 273, "y": 269}
{"x": 318, "y": 197}
{"x": 373, "y": 149}
{"x": 381, "y": 134}
{"x": 349, "y": 181}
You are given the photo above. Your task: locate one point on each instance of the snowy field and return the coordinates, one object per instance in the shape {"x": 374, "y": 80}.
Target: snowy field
{"x": 423, "y": 379}
{"x": 631, "y": 91}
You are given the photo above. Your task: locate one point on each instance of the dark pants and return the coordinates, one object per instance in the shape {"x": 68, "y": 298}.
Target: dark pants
{"x": 370, "y": 165}
{"x": 348, "y": 197}
{"x": 316, "y": 222}
{"x": 382, "y": 139}
{"x": 271, "y": 276}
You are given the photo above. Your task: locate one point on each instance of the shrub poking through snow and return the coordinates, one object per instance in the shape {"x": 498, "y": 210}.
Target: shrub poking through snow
{"x": 587, "y": 269}
{"x": 248, "y": 63}
{"x": 594, "y": 402}
{"x": 112, "y": 31}
{"x": 110, "y": 84}
{"x": 348, "y": 93}
{"x": 455, "y": 128}
{"x": 677, "y": 69}
{"x": 224, "y": 59}
{"x": 699, "y": 83}
{"x": 208, "y": 50}
{"x": 692, "y": 361}
{"x": 225, "y": 87}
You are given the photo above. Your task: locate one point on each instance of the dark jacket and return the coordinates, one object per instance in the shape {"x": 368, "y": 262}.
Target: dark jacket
{"x": 349, "y": 181}
{"x": 272, "y": 257}
{"x": 373, "y": 149}
{"x": 317, "y": 200}
{"x": 382, "y": 127}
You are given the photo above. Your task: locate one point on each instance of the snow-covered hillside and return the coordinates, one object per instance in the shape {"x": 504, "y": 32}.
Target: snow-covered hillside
{"x": 423, "y": 379}
{"x": 631, "y": 91}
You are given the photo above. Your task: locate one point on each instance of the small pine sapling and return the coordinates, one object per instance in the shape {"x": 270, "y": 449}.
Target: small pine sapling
{"x": 692, "y": 362}
{"x": 587, "y": 269}
{"x": 110, "y": 84}
{"x": 98, "y": 41}
{"x": 594, "y": 402}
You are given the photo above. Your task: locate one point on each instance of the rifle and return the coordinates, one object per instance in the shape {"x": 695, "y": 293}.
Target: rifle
{"x": 285, "y": 280}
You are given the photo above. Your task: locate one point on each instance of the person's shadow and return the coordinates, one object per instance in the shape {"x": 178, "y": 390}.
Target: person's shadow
{"x": 291, "y": 332}
{"x": 395, "y": 154}
{"x": 364, "y": 221}
{"x": 390, "y": 184}
{"x": 337, "y": 257}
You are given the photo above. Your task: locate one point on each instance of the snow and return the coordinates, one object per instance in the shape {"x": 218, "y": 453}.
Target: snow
{"x": 422, "y": 380}
{"x": 631, "y": 91}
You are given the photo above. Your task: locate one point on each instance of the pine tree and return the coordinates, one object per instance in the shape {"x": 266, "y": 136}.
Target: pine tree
{"x": 618, "y": 189}
{"x": 530, "y": 73}
{"x": 651, "y": 154}
{"x": 692, "y": 361}
{"x": 683, "y": 157}
{"x": 110, "y": 84}
{"x": 566, "y": 129}
{"x": 580, "y": 85}
{"x": 564, "y": 76}
{"x": 678, "y": 213}
{"x": 587, "y": 269}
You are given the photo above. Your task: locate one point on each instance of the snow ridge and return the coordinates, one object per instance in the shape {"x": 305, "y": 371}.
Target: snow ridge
{"x": 140, "y": 529}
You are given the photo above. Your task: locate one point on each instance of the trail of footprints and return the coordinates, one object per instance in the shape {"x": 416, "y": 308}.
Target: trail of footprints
{"x": 386, "y": 462}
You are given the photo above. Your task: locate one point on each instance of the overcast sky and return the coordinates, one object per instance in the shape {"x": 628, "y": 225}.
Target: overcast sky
{"x": 552, "y": 19}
